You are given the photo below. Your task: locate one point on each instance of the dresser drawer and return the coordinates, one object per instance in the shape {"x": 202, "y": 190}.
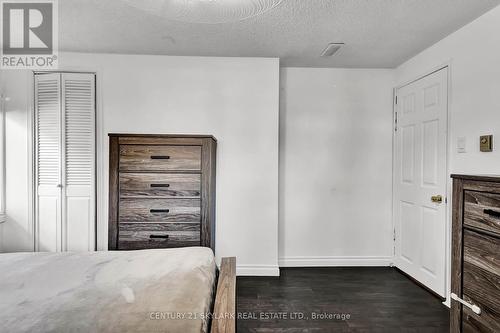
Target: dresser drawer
{"x": 482, "y": 210}
{"x": 159, "y": 210}
{"x": 133, "y": 236}
{"x": 159, "y": 185}
{"x": 159, "y": 158}
{"x": 481, "y": 282}
{"x": 158, "y": 182}
{"x": 472, "y": 323}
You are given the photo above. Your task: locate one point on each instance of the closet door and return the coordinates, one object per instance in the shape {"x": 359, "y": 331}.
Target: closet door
{"x": 48, "y": 162}
{"x": 65, "y": 162}
{"x": 78, "y": 114}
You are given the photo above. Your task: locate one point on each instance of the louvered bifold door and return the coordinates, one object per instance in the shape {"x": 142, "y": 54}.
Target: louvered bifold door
{"x": 78, "y": 105}
{"x": 48, "y": 141}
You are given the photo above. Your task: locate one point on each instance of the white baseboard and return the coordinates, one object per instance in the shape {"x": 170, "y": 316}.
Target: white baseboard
{"x": 334, "y": 261}
{"x": 271, "y": 270}
{"x": 257, "y": 270}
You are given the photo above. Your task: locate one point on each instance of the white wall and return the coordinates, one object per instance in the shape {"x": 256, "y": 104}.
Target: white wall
{"x": 335, "y": 167}
{"x": 335, "y": 142}
{"x": 473, "y": 54}
{"x": 17, "y": 230}
{"x": 235, "y": 99}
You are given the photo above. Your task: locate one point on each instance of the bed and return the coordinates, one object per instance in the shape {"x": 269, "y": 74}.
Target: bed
{"x": 159, "y": 290}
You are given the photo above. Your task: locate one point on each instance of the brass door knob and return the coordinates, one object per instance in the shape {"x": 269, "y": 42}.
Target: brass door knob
{"x": 437, "y": 198}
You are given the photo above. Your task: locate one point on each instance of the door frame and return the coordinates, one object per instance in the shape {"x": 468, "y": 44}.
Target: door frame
{"x": 448, "y": 186}
{"x": 98, "y": 119}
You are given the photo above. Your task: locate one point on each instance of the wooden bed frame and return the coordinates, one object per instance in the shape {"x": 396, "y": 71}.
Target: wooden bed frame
{"x": 224, "y": 314}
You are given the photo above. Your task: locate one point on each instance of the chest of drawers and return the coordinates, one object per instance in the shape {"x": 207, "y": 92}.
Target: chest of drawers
{"x": 475, "y": 271}
{"x": 161, "y": 191}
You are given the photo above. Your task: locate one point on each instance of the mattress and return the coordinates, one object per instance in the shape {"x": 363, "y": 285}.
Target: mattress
{"x": 161, "y": 290}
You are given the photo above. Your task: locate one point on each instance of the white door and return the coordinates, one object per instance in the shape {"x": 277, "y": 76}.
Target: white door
{"x": 420, "y": 174}
{"x": 48, "y": 162}
{"x": 78, "y": 105}
{"x": 65, "y": 162}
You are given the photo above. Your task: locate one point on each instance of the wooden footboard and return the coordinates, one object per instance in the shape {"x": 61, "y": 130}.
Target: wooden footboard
{"x": 224, "y": 316}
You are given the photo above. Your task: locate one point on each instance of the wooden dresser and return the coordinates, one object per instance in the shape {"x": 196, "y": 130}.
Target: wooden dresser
{"x": 161, "y": 191}
{"x": 475, "y": 271}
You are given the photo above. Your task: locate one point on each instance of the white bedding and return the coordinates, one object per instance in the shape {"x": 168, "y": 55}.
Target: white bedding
{"x": 118, "y": 291}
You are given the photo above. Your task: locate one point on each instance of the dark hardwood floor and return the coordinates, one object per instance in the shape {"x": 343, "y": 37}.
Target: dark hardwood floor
{"x": 359, "y": 299}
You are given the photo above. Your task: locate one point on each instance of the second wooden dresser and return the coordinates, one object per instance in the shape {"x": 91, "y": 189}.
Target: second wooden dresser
{"x": 161, "y": 191}
{"x": 475, "y": 262}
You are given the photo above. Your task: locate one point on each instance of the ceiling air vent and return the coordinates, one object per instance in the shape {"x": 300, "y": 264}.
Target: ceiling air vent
{"x": 331, "y": 49}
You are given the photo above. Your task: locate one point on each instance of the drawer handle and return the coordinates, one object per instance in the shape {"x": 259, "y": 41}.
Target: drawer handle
{"x": 492, "y": 212}
{"x": 159, "y": 185}
{"x": 160, "y": 157}
{"x": 476, "y": 309}
{"x": 159, "y": 210}
{"x": 158, "y": 236}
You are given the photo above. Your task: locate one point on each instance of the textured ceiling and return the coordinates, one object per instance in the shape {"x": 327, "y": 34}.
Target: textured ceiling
{"x": 377, "y": 33}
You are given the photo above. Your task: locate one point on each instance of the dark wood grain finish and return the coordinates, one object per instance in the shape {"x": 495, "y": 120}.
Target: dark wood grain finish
{"x": 224, "y": 315}
{"x": 171, "y": 141}
{"x": 478, "y": 178}
{"x": 159, "y": 210}
{"x": 159, "y": 158}
{"x": 168, "y": 139}
{"x": 162, "y": 185}
{"x": 477, "y": 207}
{"x": 472, "y": 325}
{"x": 377, "y": 299}
{"x": 481, "y": 186}
{"x": 114, "y": 158}
{"x": 139, "y": 235}
{"x": 476, "y": 253}
{"x": 481, "y": 282}
{"x": 158, "y": 178}
{"x": 209, "y": 153}
{"x": 161, "y": 227}
{"x": 482, "y": 251}
{"x": 456, "y": 255}
{"x": 482, "y": 288}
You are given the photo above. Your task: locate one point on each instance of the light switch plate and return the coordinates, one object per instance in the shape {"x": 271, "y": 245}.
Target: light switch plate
{"x": 486, "y": 143}
{"x": 461, "y": 141}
